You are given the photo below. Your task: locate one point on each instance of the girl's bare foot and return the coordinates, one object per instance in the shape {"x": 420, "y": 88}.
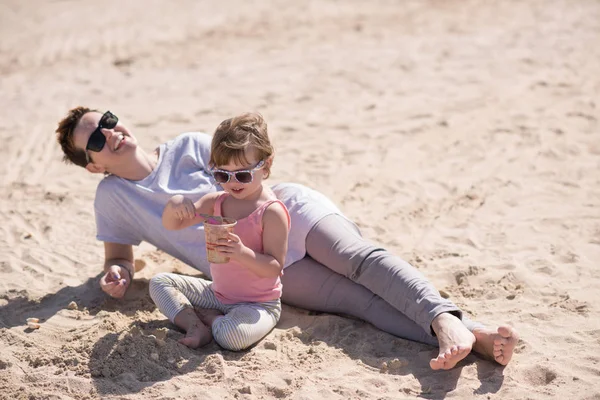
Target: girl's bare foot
{"x": 497, "y": 345}
{"x": 208, "y": 315}
{"x": 196, "y": 333}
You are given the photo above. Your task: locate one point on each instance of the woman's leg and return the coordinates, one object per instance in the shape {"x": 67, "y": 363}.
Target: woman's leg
{"x": 245, "y": 324}
{"x": 310, "y": 285}
{"x": 337, "y": 244}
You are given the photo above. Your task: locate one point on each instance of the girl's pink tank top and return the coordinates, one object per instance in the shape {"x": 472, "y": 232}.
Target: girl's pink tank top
{"x": 232, "y": 282}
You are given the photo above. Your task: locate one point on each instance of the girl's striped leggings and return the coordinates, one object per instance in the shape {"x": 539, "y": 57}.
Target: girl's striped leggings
{"x": 243, "y": 324}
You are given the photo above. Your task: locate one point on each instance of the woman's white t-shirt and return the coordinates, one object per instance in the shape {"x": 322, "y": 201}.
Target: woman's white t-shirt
{"x": 129, "y": 212}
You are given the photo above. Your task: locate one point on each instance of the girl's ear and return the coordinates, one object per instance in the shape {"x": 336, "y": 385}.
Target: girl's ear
{"x": 269, "y": 161}
{"x": 95, "y": 168}
{"x": 267, "y": 167}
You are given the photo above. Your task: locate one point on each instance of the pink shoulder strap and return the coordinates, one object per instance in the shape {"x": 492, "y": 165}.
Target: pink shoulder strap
{"x": 261, "y": 210}
{"x": 219, "y": 203}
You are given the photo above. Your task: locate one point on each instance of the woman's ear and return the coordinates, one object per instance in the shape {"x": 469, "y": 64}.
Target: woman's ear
{"x": 95, "y": 168}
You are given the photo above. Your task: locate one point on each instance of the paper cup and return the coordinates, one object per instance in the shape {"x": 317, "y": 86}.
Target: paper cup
{"x": 213, "y": 233}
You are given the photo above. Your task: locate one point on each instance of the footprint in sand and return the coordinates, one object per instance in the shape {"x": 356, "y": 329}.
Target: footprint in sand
{"x": 540, "y": 376}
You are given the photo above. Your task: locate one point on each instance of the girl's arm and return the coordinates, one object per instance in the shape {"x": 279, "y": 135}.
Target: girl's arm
{"x": 180, "y": 212}
{"x": 275, "y": 238}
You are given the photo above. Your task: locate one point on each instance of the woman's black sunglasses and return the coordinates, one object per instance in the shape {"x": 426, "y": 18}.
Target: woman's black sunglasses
{"x": 97, "y": 139}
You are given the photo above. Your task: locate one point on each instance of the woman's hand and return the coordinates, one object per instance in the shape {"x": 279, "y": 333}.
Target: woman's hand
{"x": 116, "y": 281}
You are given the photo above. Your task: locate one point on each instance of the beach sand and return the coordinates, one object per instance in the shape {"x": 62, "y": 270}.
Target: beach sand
{"x": 461, "y": 135}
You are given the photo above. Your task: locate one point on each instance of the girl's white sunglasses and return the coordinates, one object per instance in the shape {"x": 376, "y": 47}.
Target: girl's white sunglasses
{"x": 242, "y": 176}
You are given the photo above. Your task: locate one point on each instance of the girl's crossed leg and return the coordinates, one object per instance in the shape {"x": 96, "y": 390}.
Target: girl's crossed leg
{"x": 243, "y": 324}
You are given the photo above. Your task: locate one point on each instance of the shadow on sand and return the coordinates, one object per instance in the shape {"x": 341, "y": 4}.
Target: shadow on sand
{"x": 127, "y": 360}
{"x": 387, "y": 353}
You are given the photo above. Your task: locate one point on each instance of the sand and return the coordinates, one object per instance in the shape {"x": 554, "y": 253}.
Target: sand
{"x": 461, "y": 135}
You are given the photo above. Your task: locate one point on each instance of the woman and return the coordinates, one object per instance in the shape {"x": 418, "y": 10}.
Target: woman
{"x": 329, "y": 266}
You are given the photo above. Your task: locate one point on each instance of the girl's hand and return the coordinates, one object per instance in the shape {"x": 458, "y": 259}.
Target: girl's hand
{"x": 182, "y": 207}
{"x": 231, "y": 246}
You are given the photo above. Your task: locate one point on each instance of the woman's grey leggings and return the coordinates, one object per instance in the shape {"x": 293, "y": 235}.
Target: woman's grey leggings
{"x": 346, "y": 274}
{"x": 243, "y": 323}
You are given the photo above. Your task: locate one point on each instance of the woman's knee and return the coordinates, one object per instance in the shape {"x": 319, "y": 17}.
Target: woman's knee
{"x": 335, "y": 243}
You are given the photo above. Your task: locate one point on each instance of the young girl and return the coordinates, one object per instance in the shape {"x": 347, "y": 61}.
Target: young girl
{"x": 242, "y": 303}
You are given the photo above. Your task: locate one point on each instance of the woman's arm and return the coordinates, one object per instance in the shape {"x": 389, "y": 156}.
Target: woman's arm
{"x": 118, "y": 268}
{"x": 275, "y": 238}
{"x": 180, "y": 212}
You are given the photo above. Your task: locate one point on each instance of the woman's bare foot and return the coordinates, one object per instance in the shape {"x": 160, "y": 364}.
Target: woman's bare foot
{"x": 455, "y": 341}
{"x": 496, "y": 345}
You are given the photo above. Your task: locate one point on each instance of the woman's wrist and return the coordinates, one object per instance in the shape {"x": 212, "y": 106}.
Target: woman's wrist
{"x": 129, "y": 268}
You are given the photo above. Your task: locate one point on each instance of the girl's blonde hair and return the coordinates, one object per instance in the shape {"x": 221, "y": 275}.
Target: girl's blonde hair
{"x": 235, "y": 135}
